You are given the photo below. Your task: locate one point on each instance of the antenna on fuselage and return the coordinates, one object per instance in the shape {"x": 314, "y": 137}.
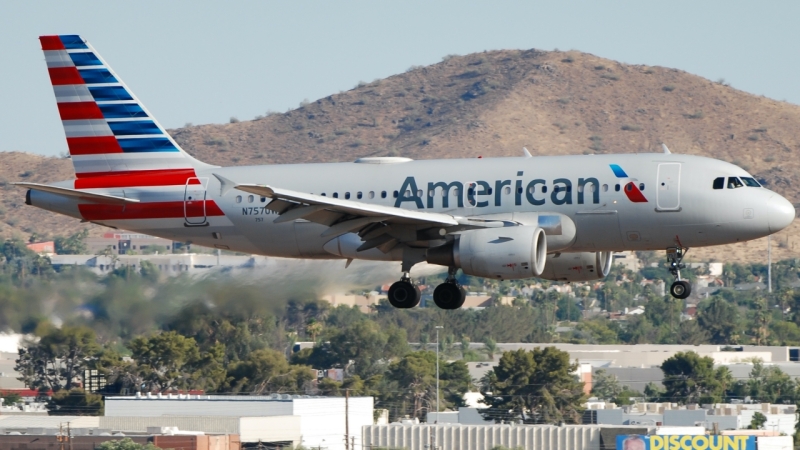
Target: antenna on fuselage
{"x": 666, "y": 150}
{"x": 526, "y": 153}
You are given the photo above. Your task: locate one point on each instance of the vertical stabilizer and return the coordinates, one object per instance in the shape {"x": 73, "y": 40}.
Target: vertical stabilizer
{"x": 108, "y": 130}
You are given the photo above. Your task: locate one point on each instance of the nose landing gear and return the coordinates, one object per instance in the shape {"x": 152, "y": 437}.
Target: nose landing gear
{"x": 449, "y": 295}
{"x": 680, "y": 289}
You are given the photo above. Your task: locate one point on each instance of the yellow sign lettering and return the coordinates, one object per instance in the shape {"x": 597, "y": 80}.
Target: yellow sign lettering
{"x": 656, "y": 443}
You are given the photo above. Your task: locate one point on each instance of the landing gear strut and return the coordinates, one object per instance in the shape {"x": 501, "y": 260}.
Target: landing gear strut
{"x": 449, "y": 295}
{"x": 404, "y": 293}
{"x": 680, "y": 289}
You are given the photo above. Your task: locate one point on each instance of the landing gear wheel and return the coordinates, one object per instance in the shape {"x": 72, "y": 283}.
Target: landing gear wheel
{"x": 449, "y": 296}
{"x": 680, "y": 289}
{"x": 403, "y": 294}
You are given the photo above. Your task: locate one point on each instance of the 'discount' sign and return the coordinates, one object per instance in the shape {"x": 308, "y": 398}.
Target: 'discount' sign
{"x": 685, "y": 442}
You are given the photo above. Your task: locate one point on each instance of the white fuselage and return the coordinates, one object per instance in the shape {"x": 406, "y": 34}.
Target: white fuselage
{"x": 675, "y": 205}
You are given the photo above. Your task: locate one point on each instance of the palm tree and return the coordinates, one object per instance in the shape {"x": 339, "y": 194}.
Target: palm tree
{"x": 490, "y": 347}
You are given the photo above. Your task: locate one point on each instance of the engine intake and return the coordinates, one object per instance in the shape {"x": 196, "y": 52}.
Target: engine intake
{"x": 584, "y": 266}
{"x": 508, "y": 253}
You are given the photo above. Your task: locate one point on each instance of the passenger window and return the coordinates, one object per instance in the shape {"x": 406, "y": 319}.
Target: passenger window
{"x": 719, "y": 183}
{"x": 544, "y": 189}
{"x": 616, "y": 187}
{"x": 507, "y": 190}
{"x": 641, "y": 186}
{"x": 371, "y": 194}
{"x": 347, "y": 196}
{"x": 250, "y": 199}
{"x": 431, "y": 192}
{"x": 419, "y": 192}
{"x": 489, "y": 192}
{"x": 395, "y": 194}
{"x": 323, "y": 194}
{"x": 359, "y": 195}
{"x": 455, "y": 193}
{"x": 238, "y": 199}
{"x": 605, "y": 188}
{"x": 734, "y": 183}
{"x": 532, "y": 189}
{"x": 383, "y": 194}
{"x": 750, "y": 182}
{"x": 335, "y": 195}
{"x": 263, "y": 199}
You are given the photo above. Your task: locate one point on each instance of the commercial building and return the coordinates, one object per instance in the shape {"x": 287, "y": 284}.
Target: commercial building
{"x": 482, "y": 437}
{"x": 716, "y": 417}
{"x": 321, "y": 421}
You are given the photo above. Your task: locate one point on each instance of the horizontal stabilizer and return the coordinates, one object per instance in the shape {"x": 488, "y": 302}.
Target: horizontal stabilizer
{"x": 83, "y": 195}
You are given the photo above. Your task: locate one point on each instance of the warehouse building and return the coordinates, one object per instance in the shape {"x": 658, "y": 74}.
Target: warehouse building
{"x": 481, "y": 437}
{"x": 321, "y": 421}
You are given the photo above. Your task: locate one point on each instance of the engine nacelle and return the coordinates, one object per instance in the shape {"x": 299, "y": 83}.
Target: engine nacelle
{"x": 584, "y": 266}
{"x": 508, "y": 253}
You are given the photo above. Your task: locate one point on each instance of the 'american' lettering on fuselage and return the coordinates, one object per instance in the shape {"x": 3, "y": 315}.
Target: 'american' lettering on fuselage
{"x": 481, "y": 194}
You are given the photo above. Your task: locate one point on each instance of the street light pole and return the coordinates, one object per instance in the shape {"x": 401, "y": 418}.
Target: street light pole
{"x": 437, "y": 372}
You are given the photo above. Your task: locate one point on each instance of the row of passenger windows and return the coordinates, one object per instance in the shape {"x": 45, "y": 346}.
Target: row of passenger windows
{"x": 455, "y": 191}
{"x": 735, "y": 182}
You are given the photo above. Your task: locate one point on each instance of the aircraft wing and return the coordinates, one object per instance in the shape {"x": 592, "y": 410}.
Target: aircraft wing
{"x": 342, "y": 216}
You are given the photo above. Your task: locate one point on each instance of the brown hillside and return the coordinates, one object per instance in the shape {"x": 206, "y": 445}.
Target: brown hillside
{"x": 493, "y": 104}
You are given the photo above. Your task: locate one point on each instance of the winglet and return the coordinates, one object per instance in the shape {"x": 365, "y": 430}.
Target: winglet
{"x": 666, "y": 150}
{"x": 225, "y": 185}
{"x": 526, "y": 153}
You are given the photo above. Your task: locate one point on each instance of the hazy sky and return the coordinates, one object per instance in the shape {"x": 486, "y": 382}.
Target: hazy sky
{"x": 203, "y": 62}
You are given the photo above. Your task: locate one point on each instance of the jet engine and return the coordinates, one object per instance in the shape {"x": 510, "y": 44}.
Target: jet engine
{"x": 584, "y": 266}
{"x": 507, "y": 253}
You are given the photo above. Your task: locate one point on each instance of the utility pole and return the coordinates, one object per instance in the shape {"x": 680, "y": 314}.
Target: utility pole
{"x": 347, "y": 419}
{"x": 438, "y": 327}
{"x": 69, "y": 436}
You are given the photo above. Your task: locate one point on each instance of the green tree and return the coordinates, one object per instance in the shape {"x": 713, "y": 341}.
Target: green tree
{"x": 536, "y": 386}
{"x": 125, "y": 444}
{"x": 490, "y": 347}
{"x": 720, "y": 320}
{"x": 58, "y": 359}
{"x": 605, "y": 386}
{"x": 73, "y": 244}
{"x": 268, "y": 371}
{"x": 653, "y": 392}
{"x": 368, "y": 346}
{"x": 690, "y": 378}
{"x": 767, "y": 384}
{"x": 690, "y": 333}
{"x": 75, "y": 402}
{"x": 165, "y": 361}
{"x": 757, "y": 422}
{"x": 410, "y": 384}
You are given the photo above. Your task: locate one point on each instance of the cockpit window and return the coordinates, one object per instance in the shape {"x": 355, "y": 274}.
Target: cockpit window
{"x": 719, "y": 183}
{"x": 750, "y": 182}
{"x": 734, "y": 183}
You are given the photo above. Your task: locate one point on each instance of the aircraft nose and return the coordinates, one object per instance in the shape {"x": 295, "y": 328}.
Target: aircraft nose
{"x": 781, "y": 213}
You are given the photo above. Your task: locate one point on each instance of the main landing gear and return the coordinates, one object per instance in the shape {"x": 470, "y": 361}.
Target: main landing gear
{"x": 680, "y": 289}
{"x": 448, "y": 295}
{"x": 404, "y": 293}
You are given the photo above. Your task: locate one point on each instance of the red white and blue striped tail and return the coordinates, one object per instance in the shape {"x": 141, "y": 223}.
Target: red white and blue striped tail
{"x": 108, "y": 130}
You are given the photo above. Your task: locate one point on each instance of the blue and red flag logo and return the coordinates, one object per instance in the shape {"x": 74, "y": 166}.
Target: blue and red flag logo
{"x": 630, "y": 188}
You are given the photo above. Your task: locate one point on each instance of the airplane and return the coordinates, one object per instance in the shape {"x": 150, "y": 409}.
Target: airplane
{"x": 552, "y": 217}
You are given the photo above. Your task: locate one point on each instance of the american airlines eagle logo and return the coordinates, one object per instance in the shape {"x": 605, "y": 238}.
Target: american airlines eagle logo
{"x": 632, "y": 191}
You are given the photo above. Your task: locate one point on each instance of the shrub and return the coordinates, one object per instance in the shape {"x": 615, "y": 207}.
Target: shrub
{"x": 568, "y": 59}
{"x": 627, "y": 127}
{"x": 696, "y": 115}
{"x": 753, "y": 137}
{"x": 609, "y": 76}
{"x": 668, "y": 88}
{"x": 563, "y": 100}
{"x": 600, "y": 67}
{"x": 233, "y": 119}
